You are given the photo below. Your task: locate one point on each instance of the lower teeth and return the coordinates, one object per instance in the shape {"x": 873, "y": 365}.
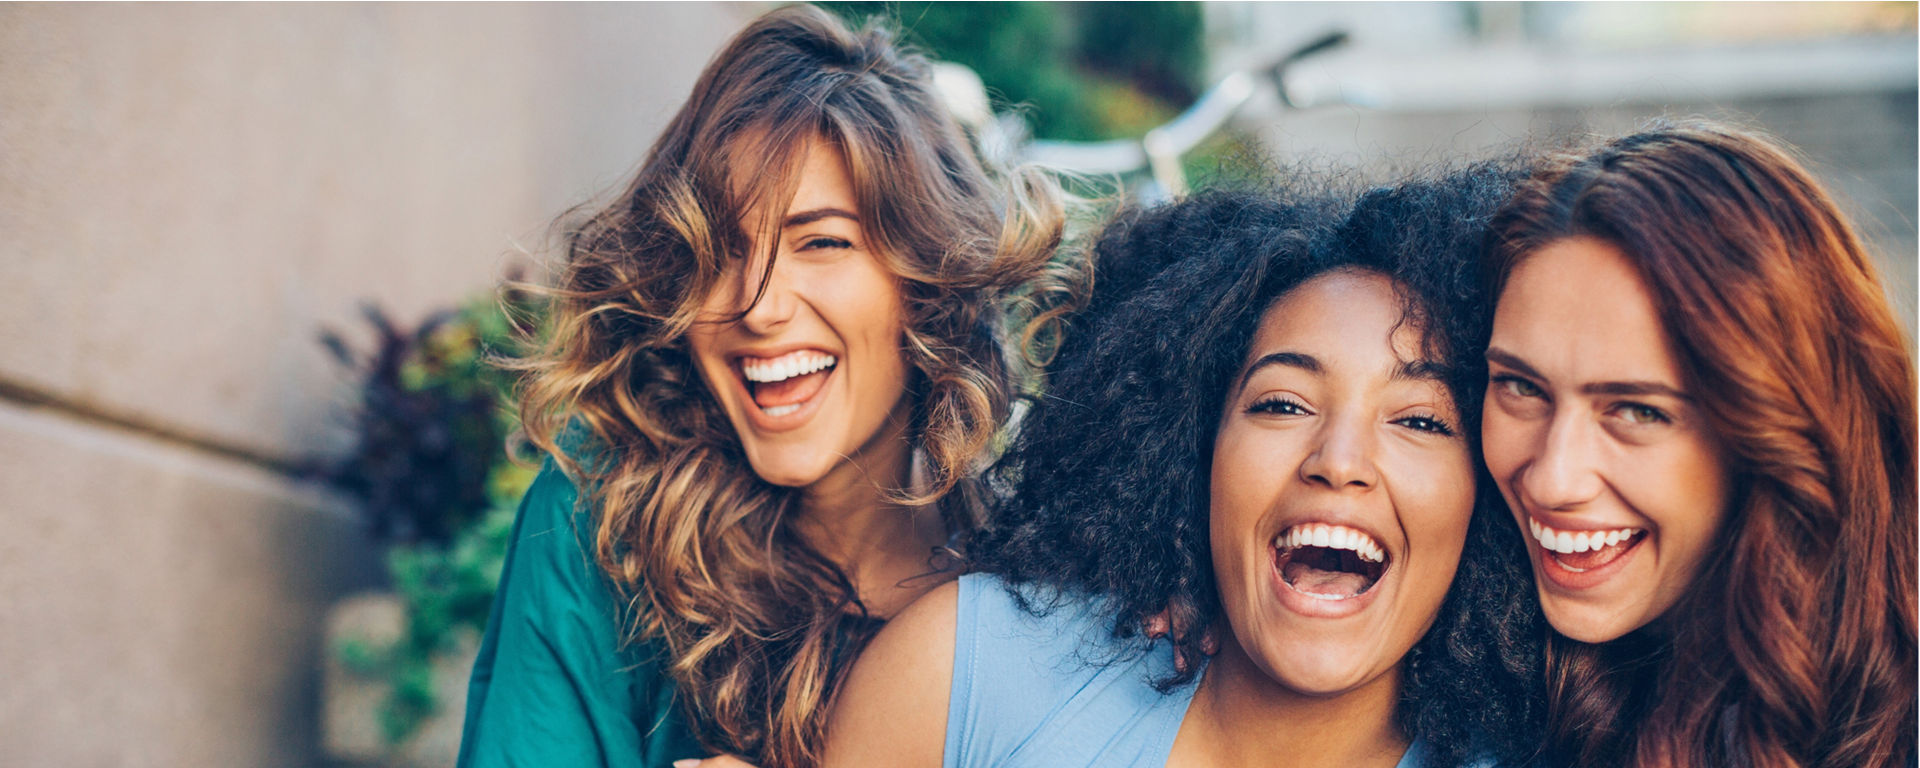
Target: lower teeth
{"x": 781, "y": 410}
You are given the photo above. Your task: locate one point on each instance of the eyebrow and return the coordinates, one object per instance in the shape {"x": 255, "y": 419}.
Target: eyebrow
{"x": 1420, "y": 370}
{"x": 808, "y": 217}
{"x": 1629, "y": 388}
{"x": 1299, "y": 360}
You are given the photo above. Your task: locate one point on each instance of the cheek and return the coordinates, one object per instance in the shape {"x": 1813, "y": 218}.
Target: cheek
{"x": 1688, "y": 500}
{"x": 1239, "y": 491}
{"x": 703, "y": 343}
{"x": 1435, "y": 501}
{"x": 870, "y": 310}
{"x": 1503, "y": 440}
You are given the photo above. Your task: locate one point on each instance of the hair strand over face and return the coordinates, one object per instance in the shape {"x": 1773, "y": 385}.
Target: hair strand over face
{"x": 757, "y": 626}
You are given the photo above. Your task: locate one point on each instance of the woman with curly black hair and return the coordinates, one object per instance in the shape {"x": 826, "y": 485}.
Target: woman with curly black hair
{"x": 1263, "y": 425}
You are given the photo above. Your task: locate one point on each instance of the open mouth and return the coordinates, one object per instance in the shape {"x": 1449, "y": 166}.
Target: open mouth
{"x": 780, "y": 385}
{"x": 1582, "y": 551}
{"x": 1330, "y": 562}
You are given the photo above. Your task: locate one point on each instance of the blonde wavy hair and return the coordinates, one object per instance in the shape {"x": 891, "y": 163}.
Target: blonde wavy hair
{"x": 757, "y": 626}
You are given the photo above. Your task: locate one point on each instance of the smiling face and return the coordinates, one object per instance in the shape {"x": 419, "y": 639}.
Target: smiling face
{"x": 1595, "y": 443}
{"x": 1341, "y": 489}
{"x": 812, "y": 375}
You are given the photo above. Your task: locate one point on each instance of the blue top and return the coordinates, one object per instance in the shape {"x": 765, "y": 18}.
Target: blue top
{"x": 1057, "y": 690}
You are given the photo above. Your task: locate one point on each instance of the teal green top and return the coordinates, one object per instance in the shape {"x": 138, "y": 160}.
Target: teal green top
{"x": 553, "y": 685}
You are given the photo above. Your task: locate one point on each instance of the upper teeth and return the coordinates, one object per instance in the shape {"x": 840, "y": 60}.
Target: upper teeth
{"x": 1332, "y": 537}
{"x": 1569, "y": 542}
{"x": 763, "y": 370}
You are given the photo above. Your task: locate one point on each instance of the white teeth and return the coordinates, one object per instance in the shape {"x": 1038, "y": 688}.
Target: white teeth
{"x": 781, "y": 410}
{"x": 787, "y": 366}
{"x": 1332, "y": 537}
{"x": 1566, "y": 542}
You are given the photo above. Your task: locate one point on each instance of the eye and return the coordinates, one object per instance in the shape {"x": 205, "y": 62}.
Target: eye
{"x": 1431, "y": 424}
{"x": 1278, "y": 406}
{"x": 1514, "y": 386}
{"x": 1640, "y": 414}
{"x": 823, "y": 242}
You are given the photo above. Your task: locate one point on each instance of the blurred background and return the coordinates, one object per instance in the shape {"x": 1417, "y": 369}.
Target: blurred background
{"x": 251, "y": 458}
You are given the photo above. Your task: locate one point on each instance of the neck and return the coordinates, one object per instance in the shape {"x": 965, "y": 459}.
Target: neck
{"x": 848, "y": 517}
{"x": 1240, "y": 716}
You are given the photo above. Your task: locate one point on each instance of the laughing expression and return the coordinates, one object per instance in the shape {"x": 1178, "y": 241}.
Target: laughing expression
{"x": 1596, "y": 445}
{"x": 811, "y": 375}
{"x": 1341, "y": 489}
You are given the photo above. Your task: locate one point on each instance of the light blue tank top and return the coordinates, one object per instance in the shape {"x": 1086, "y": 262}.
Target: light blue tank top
{"x": 1057, "y": 690}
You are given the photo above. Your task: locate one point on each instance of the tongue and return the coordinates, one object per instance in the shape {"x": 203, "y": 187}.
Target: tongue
{"x": 789, "y": 391}
{"x": 1307, "y": 578}
{"x": 1591, "y": 559}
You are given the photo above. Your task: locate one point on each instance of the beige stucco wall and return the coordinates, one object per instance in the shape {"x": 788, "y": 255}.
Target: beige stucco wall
{"x": 187, "y": 194}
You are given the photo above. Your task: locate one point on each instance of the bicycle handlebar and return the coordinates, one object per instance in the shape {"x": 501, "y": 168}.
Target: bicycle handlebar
{"x": 1160, "y": 150}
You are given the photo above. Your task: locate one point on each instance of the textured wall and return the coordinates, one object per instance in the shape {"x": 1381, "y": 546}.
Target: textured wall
{"x": 187, "y": 193}
{"x": 1412, "y": 89}
{"x": 1861, "y": 145}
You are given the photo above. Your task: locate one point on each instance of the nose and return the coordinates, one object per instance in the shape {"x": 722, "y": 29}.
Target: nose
{"x": 766, "y": 296}
{"x": 1343, "y": 457}
{"x": 1564, "y": 473}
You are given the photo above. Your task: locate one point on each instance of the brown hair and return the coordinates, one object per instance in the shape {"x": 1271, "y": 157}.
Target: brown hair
{"x": 757, "y": 626}
{"x": 1795, "y": 646}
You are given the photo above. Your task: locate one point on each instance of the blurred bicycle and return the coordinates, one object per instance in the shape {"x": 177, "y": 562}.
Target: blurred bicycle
{"x": 1159, "y": 152}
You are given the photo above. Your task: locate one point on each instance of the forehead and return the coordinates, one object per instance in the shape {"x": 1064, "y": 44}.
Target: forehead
{"x": 823, "y": 181}
{"x": 1578, "y": 309}
{"x": 774, "y": 180}
{"x": 1352, "y": 316}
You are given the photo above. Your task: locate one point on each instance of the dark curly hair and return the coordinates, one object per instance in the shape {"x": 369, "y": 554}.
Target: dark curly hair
{"x": 1110, "y": 469}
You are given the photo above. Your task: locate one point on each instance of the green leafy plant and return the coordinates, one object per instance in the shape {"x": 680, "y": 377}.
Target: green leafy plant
{"x": 1087, "y": 71}
{"x": 438, "y": 489}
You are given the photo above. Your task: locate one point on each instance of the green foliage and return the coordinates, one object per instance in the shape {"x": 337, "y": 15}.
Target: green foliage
{"x": 432, "y": 417}
{"x": 1087, "y": 71}
{"x": 1228, "y": 159}
{"x": 446, "y": 590}
{"x": 435, "y": 412}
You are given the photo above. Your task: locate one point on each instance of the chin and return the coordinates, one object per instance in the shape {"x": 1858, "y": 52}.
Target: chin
{"x": 1319, "y": 670}
{"x": 788, "y": 471}
{"x": 1587, "y": 624}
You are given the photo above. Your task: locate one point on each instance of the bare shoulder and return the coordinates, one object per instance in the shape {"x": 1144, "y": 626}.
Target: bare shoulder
{"x": 892, "y": 709}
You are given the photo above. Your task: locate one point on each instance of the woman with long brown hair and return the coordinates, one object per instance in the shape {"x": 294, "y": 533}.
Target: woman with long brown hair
{"x": 776, "y": 361}
{"x": 1701, "y": 412}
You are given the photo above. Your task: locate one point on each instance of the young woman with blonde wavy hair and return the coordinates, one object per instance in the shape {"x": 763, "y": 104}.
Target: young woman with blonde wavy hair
{"x": 777, "y": 360}
{"x": 1701, "y": 412}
